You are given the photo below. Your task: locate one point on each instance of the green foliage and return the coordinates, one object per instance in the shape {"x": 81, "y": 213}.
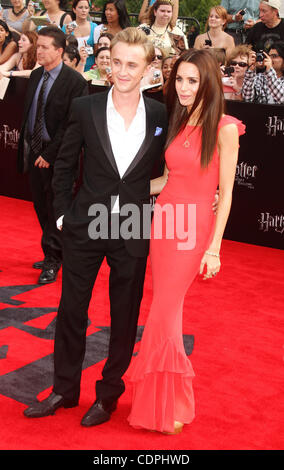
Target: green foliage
{"x": 198, "y": 9}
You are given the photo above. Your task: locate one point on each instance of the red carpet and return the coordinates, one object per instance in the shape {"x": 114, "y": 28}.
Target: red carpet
{"x": 237, "y": 324}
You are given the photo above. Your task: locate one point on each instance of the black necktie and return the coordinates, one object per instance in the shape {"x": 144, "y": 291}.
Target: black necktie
{"x": 36, "y": 141}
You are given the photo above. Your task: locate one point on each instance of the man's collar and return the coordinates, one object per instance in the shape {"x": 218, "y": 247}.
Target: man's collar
{"x": 56, "y": 70}
{"x": 110, "y": 104}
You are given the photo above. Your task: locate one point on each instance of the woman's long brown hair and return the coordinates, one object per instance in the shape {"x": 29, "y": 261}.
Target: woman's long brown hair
{"x": 209, "y": 100}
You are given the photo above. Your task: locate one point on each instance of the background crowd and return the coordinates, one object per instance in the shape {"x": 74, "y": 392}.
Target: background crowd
{"x": 246, "y": 37}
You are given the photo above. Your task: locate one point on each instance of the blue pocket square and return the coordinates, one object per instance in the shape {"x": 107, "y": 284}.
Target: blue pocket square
{"x": 158, "y": 131}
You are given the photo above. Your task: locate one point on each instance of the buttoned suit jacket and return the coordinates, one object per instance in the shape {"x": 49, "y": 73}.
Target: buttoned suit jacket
{"x": 101, "y": 181}
{"x": 68, "y": 85}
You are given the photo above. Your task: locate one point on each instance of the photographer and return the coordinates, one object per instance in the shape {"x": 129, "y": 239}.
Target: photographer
{"x": 269, "y": 29}
{"x": 154, "y": 76}
{"x": 242, "y": 15}
{"x": 83, "y": 30}
{"x": 101, "y": 71}
{"x": 238, "y": 62}
{"x": 266, "y": 86}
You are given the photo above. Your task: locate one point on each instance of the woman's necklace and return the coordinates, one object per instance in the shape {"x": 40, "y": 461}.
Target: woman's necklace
{"x": 19, "y": 12}
{"x": 159, "y": 35}
{"x": 186, "y": 143}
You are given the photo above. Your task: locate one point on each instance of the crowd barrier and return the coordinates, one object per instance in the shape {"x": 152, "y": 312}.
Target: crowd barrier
{"x": 257, "y": 211}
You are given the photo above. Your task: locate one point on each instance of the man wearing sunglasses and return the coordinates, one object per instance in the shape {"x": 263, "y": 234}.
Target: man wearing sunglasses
{"x": 242, "y": 15}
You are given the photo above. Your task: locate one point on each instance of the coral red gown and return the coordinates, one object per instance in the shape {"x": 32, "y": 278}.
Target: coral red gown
{"x": 162, "y": 373}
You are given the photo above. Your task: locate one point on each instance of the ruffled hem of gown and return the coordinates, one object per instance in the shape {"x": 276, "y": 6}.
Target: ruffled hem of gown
{"x": 162, "y": 389}
{"x": 164, "y": 358}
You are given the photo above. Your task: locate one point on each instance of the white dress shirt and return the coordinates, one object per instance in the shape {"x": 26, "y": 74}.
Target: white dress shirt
{"x": 125, "y": 143}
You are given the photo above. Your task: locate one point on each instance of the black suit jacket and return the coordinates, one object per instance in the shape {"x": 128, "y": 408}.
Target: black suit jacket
{"x": 68, "y": 85}
{"x": 87, "y": 128}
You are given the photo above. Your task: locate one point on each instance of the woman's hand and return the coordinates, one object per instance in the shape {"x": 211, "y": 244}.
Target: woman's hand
{"x": 233, "y": 84}
{"x": 252, "y": 60}
{"x": 212, "y": 263}
{"x": 83, "y": 54}
{"x": 109, "y": 77}
{"x": 31, "y": 9}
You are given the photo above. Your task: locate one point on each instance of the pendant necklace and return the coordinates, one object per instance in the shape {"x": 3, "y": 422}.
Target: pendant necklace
{"x": 186, "y": 143}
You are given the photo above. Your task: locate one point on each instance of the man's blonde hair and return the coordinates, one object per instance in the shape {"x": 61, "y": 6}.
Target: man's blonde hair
{"x": 135, "y": 37}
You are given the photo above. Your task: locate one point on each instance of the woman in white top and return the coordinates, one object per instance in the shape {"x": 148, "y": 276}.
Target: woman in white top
{"x": 215, "y": 36}
{"x": 114, "y": 18}
{"x": 160, "y": 29}
{"x": 23, "y": 62}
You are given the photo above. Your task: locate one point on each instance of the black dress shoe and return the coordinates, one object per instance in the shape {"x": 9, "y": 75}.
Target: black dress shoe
{"x": 48, "y": 275}
{"x": 99, "y": 413}
{"x": 48, "y": 406}
{"x": 38, "y": 265}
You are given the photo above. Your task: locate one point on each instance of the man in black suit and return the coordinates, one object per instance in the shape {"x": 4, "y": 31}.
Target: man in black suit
{"x": 51, "y": 90}
{"x": 123, "y": 135}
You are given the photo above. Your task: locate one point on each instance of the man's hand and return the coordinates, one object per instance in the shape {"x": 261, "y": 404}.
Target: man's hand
{"x": 238, "y": 17}
{"x": 249, "y": 23}
{"x": 42, "y": 163}
{"x": 267, "y": 61}
{"x": 215, "y": 203}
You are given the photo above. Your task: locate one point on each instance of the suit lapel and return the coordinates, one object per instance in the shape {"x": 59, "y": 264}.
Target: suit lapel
{"x": 149, "y": 135}
{"x": 58, "y": 83}
{"x": 98, "y": 109}
{"x": 33, "y": 83}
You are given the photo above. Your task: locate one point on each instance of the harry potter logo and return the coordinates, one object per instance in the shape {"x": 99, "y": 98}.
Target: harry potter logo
{"x": 245, "y": 174}
{"x": 271, "y": 222}
{"x": 9, "y": 136}
{"x": 274, "y": 125}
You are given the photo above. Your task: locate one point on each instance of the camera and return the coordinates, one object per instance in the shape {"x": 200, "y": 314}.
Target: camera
{"x": 89, "y": 50}
{"x": 156, "y": 74}
{"x": 208, "y": 42}
{"x": 146, "y": 30}
{"x": 72, "y": 25}
{"x": 242, "y": 12}
{"x": 229, "y": 70}
{"x": 260, "y": 56}
{"x": 108, "y": 70}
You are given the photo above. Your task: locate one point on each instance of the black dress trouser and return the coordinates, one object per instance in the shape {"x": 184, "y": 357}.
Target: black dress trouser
{"x": 42, "y": 194}
{"x": 81, "y": 264}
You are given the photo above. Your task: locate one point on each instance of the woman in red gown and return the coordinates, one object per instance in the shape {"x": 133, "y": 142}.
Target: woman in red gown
{"x": 201, "y": 154}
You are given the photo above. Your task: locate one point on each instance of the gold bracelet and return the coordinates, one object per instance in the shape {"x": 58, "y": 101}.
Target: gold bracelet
{"x": 212, "y": 254}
